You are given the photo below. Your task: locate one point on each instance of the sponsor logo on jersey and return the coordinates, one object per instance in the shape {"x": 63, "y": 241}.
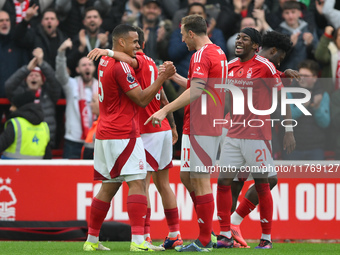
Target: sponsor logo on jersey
{"x": 231, "y": 74}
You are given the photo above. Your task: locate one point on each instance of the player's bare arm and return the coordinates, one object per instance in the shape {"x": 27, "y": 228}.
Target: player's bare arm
{"x": 288, "y": 139}
{"x": 118, "y": 55}
{"x": 144, "y": 97}
{"x": 180, "y": 80}
{"x": 184, "y": 99}
{"x": 170, "y": 117}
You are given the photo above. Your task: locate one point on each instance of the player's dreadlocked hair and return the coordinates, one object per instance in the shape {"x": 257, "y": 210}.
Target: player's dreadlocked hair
{"x": 277, "y": 40}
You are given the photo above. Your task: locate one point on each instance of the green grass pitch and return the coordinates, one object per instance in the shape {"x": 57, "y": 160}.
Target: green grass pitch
{"x": 63, "y": 248}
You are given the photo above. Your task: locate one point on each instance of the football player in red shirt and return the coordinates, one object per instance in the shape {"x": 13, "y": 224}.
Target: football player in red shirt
{"x": 250, "y": 144}
{"x": 208, "y": 66}
{"x": 119, "y": 153}
{"x": 157, "y": 140}
{"x": 275, "y": 46}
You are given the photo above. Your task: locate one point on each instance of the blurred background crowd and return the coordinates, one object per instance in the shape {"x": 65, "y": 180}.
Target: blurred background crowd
{"x": 44, "y": 43}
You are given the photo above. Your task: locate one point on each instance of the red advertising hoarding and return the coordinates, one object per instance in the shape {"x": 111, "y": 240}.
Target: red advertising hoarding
{"x": 62, "y": 190}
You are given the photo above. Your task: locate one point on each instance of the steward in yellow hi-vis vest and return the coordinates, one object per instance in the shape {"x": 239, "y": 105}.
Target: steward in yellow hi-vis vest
{"x": 26, "y": 135}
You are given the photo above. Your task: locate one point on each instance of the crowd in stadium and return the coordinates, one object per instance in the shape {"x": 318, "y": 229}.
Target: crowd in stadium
{"x": 44, "y": 44}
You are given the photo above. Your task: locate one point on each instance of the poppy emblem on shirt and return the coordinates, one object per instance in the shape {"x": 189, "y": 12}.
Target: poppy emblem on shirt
{"x": 240, "y": 73}
{"x": 130, "y": 78}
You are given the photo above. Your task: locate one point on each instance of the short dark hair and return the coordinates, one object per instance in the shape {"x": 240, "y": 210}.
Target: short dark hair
{"x": 196, "y": 4}
{"x": 50, "y": 10}
{"x": 289, "y": 5}
{"x": 91, "y": 8}
{"x": 311, "y": 65}
{"x": 122, "y": 30}
{"x": 141, "y": 38}
{"x": 195, "y": 23}
{"x": 277, "y": 40}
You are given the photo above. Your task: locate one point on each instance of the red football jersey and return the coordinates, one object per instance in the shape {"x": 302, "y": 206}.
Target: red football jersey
{"x": 146, "y": 74}
{"x": 118, "y": 113}
{"x": 261, "y": 75}
{"x": 210, "y": 65}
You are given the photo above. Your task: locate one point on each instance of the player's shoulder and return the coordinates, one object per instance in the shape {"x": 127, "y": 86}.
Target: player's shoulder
{"x": 233, "y": 62}
{"x": 264, "y": 64}
{"x": 121, "y": 66}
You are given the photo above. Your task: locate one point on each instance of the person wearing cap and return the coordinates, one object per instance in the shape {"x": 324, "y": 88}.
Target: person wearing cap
{"x": 26, "y": 135}
{"x": 39, "y": 77}
{"x": 249, "y": 143}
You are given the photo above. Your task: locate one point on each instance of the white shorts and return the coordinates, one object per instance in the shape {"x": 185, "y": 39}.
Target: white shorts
{"x": 158, "y": 150}
{"x": 199, "y": 153}
{"x": 249, "y": 156}
{"x": 119, "y": 160}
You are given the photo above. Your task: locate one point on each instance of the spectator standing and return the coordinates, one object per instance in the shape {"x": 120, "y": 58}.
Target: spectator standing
{"x": 156, "y": 30}
{"x": 17, "y": 9}
{"x": 178, "y": 50}
{"x": 304, "y": 40}
{"x": 71, "y": 13}
{"x": 87, "y": 39}
{"x": 38, "y": 76}
{"x": 26, "y": 135}
{"x": 88, "y": 147}
{"x": 275, "y": 18}
{"x": 46, "y": 35}
{"x": 327, "y": 53}
{"x": 15, "y": 52}
{"x": 211, "y": 10}
{"x": 78, "y": 92}
{"x": 310, "y": 132}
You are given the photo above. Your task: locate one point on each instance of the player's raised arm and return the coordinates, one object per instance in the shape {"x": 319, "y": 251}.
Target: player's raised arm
{"x": 189, "y": 95}
{"x": 144, "y": 97}
{"x": 118, "y": 55}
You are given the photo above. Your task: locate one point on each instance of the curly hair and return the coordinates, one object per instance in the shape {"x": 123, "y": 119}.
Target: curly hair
{"x": 277, "y": 40}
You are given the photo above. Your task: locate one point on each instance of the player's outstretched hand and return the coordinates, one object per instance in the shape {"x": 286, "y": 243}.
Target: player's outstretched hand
{"x": 289, "y": 142}
{"x": 292, "y": 74}
{"x": 97, "y": 53}
{"x": 169, "y": 70}
{"x": 157, "y": 117}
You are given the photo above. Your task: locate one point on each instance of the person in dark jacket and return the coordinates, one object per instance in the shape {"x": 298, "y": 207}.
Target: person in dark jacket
{"x": 39, "y": 77}
{"x": 26, "y": 135}
{"x": 72, "y": 12}
{"x": 310, "y": 131}
{"x": 177, "y": 49}
{"x": 46, "y": 35}
{"x": 13, "y": 54}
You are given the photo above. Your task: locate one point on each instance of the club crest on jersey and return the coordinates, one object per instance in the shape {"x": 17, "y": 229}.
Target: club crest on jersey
{"x": 249, "y": 73}
{"x": 130, "y": 78}
{"x": 141, "y": 165}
